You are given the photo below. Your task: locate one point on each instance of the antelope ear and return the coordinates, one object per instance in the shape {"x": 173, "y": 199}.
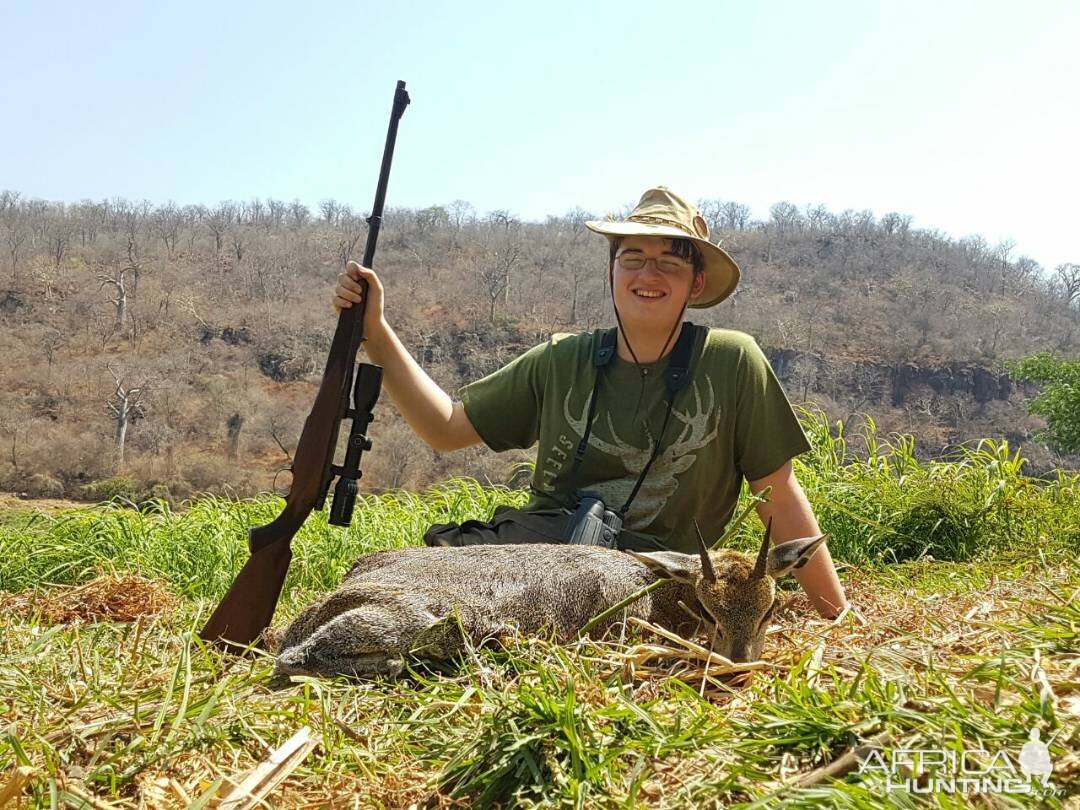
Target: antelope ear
{"x": 788, "y": 556}
{"x": 670, "y": 564}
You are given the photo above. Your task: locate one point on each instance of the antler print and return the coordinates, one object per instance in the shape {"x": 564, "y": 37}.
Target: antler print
{"x": 699, "y": 428}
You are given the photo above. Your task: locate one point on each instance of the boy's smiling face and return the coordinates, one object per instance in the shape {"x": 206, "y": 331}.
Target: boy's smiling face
{"x": 653, "y": 292}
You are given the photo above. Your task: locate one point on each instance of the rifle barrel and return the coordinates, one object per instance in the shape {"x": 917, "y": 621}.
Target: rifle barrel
{"x": 249, "y": 605}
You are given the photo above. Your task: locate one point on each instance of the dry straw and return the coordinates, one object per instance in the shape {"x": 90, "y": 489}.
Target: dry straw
{"x": 106, "y": 598}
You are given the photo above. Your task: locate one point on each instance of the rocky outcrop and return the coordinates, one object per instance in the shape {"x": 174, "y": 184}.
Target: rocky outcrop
{"x": 11, "y": 301}
{"x": 980, "y": 383}
{"x": 812, "y": 373}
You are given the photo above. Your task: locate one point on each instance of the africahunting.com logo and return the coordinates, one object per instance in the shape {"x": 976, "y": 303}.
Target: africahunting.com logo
{"x": 970, "y": 771}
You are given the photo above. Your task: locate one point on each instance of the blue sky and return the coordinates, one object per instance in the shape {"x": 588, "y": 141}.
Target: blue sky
{"x": 962, "y": 114}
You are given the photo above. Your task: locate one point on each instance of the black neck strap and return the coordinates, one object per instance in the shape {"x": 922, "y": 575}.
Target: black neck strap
{"x": 676, "y": 378}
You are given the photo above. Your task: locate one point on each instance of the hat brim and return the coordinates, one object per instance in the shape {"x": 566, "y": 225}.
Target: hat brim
{"x": 721, "y": 272}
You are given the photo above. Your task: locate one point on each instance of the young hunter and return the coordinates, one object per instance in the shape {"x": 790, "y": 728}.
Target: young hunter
{"x": 673, "y": 416}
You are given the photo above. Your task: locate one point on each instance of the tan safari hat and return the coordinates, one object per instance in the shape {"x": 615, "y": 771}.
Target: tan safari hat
{"x": 662, "y": 212}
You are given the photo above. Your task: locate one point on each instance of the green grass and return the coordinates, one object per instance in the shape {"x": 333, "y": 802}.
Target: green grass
{"x": 884, "y": 505}
{"x": 964, "y": 569}
{"x": 199, "y": 549}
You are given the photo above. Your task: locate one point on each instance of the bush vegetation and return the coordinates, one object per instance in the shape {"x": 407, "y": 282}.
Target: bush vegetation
{"x": 183, "y": 344}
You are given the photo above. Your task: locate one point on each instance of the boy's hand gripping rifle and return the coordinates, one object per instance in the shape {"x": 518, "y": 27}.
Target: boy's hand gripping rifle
{"x": 249, "y": 605}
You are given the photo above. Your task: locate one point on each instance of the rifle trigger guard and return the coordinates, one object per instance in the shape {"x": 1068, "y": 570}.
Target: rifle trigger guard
{"x": 273, "y": 484}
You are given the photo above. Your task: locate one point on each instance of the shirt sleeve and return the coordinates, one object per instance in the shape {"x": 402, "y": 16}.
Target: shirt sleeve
{"x": 767, "y": 432}
{"x": 505, "y": 406}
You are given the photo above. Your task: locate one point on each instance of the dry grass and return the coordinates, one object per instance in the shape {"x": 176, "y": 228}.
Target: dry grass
{"x": 106, "y": 598}
{"x": 108, "y": 699}
{"x": 372, "y": 736}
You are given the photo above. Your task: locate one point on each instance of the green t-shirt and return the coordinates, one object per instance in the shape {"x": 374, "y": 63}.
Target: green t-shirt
{"x": 732, "y": 421}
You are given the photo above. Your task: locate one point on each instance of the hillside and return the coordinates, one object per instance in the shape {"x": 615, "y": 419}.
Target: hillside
{"x": 180, "y": 347}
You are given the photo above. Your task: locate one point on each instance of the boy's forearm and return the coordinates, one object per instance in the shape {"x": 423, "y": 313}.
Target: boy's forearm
{"x": 792, "y": 518}
{"x": 819, "y": 580}
{"x": 423, "y": 404}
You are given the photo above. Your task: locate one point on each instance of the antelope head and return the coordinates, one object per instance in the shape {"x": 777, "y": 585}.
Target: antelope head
{"x": 737, "y": 591}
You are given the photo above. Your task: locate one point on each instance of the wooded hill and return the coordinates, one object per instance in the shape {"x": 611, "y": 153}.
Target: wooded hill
{"x": 178, "y": 349}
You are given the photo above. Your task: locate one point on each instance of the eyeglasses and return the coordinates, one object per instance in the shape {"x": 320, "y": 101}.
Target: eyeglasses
{"x": 633, "y": 260}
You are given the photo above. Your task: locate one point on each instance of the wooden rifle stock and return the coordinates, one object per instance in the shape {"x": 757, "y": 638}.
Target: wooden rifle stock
{"x": 249, "y": 605}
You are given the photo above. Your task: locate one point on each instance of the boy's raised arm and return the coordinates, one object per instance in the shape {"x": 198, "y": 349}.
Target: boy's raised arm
{"x": 429, "y": 411}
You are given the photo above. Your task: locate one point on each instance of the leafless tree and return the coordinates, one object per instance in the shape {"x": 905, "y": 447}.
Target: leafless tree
{"x": 330, "y": 210}
{"x": 734, "y": 216}
{"x": 299, "y": 215}
{"x": 254, "y": 212}
{"x": 89, "y": 218}
{"x": 899, "y": 224}
{"x": 12, "y": 423}
{"x": 430, "y": 220}
{"x": 166, "y": 224}
{"x": 1002, "y": 252}
{"x": 505, "y": 252}
{"x": 494, "y": 256}
{"x": 578, "y": 272}
{"x": 218, "y": 221}
{"x": 275, "y": 216}
{"x": 495, "y": 280}
{"x": 1025, "y": 270}
{"x": 1067, "y": 276}
{"x": 817, "y": 217}
{"x": 785, "y": 217}
{"x": 427, "y": 255}
{"x": 52, "y": 341}
{"x": 37, "y": 213}
{"x": 281, "y": 427}
{"x": 239, "y": 241}
{"x": 125, "y": 404}
{"x": 17, "y": 234}
{"x": 59, "y": 239}
{"x": 134, "y": 265}
{"x": 269, "y": 279}
{"x": 460, "y": 214}
{"x": 354, "y": 227}
{"x": 9, "y": 201}
{"x": 117, "y": 279}
{"x": 195, "y": 217}
{"x": 545, "y": 250}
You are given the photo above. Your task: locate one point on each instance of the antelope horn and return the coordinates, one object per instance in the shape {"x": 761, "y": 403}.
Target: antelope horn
{"x": 706, "y": 564}
{"x": 762, "y": 564}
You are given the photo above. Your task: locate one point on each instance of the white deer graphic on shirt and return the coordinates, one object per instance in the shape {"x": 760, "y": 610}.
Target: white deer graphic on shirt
{"x": 697, "y": 427}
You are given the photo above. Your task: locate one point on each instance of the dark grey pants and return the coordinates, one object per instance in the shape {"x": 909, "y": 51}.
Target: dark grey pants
{"x": 512, "y": 526}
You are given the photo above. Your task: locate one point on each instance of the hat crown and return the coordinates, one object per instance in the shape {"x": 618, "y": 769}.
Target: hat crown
{"x": 662, "y": 206}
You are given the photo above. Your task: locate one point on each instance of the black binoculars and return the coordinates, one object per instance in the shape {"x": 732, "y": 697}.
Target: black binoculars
{"x": 593, "y": 524}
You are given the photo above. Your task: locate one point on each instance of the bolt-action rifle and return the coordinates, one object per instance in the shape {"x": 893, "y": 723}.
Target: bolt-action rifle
{"x": 249, "y": 605}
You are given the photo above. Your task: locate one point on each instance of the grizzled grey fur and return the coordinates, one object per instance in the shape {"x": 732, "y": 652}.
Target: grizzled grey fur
{"x": 415, "y": 603}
